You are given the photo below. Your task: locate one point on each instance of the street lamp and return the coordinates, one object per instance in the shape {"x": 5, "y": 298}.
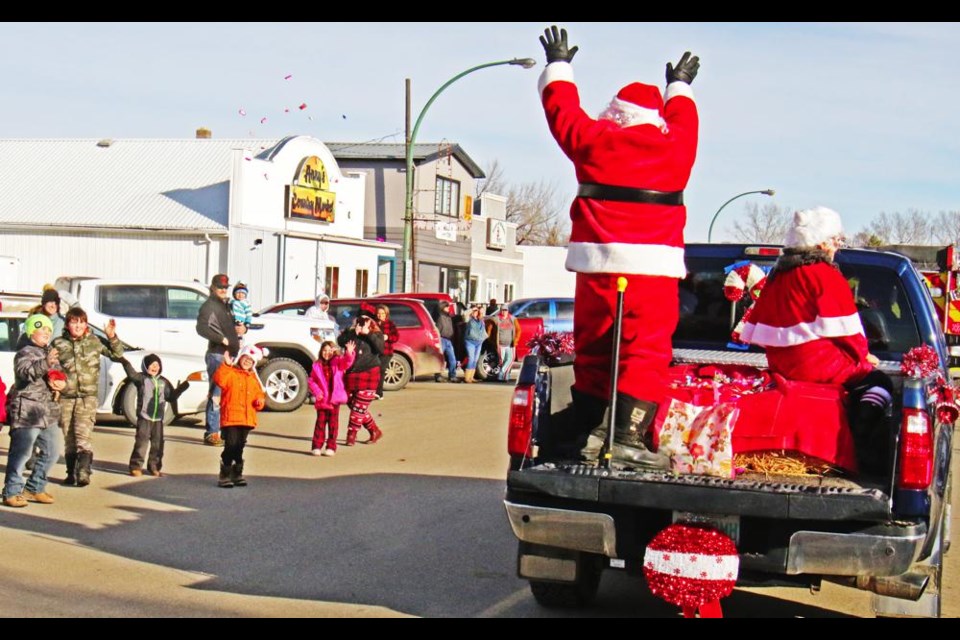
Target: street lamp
{"x": 526, "y": 63}
{"x": 768, "y": 192}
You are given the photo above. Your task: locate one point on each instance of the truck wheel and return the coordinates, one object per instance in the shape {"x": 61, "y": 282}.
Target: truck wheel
{"x": 575, "y": 595}
{"x": 488, "y": 366}
{"x": 285, "y": 383}
{"x": 399, "y": 372}
{"x": 129, "y": 406}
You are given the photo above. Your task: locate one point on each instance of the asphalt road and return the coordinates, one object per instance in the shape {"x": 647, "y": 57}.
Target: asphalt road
{"x": 411, "y": 526}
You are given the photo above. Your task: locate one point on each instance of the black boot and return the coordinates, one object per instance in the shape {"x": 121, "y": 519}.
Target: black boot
{"x": 84, "y": 462}
{"x": 71, "y": 478}
{"x": 590, "y": 415}
{"x": 236, "y": 475}
{"x": 225, "y": 480}
{"x": 871, "y": 439}
{"x": 633, "y": 421}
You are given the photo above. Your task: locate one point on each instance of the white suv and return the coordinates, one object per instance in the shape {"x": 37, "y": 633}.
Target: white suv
{"x": 162, "y": 315}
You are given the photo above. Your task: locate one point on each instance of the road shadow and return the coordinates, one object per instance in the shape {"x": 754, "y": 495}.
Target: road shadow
{"x": 422, "y": 545}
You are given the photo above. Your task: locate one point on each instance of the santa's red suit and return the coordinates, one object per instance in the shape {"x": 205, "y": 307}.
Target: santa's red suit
{"x": 641, "y": 143}
{"x": 807, "y": 319}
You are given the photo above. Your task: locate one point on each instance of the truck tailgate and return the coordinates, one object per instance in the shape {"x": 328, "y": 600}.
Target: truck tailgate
{"x": 750, "y": 494}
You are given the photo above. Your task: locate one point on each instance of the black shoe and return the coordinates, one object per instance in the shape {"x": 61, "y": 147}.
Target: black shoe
{"x": 632, "y": 422}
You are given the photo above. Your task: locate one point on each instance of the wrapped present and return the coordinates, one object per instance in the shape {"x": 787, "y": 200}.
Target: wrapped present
{"x": 698, "y": 438}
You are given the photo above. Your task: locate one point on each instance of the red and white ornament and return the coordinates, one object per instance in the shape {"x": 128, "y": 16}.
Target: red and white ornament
{"x": 745, "y": 278}
{"x": 692, "y": 566}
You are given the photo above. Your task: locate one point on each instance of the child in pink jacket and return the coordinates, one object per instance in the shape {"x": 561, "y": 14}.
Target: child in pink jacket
{"x": 326, "y": 384}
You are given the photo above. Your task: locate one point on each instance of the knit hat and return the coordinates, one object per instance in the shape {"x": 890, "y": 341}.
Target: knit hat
{"x": 50, "y": 295}
{"x": 253, "y": 352}
{"x": 813, "y": 226}
{"x": 220, "y": 281}
{"x": 636, "y": 104}
{"x": 37, "y": 321}
{"x": 240, "y": 287}
{"x": 149, "y": 359}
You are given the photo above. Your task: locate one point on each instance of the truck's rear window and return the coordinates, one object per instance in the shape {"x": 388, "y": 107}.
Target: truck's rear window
{"x": 707, "y": 317}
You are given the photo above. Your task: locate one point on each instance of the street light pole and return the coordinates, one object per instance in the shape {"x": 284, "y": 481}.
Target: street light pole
{"x": 767, "y": 192}
{"x": 411, "y": 139}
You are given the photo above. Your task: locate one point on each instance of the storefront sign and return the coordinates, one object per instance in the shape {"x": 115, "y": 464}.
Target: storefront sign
{"x": 446, "y": 231}
{"x": 309, "y": 197}
{"x": 496, "y": 234}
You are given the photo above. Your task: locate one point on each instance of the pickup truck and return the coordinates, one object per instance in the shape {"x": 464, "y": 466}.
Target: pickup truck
{"x": 885, "y": 534}
{"x": 161, "y": 315}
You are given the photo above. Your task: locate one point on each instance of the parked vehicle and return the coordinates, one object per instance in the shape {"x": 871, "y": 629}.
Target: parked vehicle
{"x": 117, "y": 397}
{"x": 488, "y": 366}
{"x": 416, "y": 355}
{"x": 886, "y": 533}
{"x": 161, "y": 315}
{"x": 557, "y": 313}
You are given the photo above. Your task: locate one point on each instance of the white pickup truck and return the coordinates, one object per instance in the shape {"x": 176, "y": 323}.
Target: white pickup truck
{"x": 162, "y": 315}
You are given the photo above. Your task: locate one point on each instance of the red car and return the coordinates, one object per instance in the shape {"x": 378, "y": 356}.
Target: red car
{"x": 489, "y": 364}
{"x": 417, "y": 354}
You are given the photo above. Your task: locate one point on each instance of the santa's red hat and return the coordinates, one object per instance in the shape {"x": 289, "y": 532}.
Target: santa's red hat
{"x": 636, "y": 104}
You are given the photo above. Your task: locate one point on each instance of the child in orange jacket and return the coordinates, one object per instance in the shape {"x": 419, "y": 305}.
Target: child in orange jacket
{"x": 241, "y": 397}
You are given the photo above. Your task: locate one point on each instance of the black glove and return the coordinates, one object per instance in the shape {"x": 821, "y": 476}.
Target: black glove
{"x": 183, "y": 386}
{"x": 686, "y": 69}
{"x": 555, "y": 45}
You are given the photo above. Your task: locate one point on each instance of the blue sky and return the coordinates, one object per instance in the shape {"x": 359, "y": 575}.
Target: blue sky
{"x": 855, "y": 116}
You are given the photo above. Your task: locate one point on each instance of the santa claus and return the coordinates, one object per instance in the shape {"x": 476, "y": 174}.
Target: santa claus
{"x": 632, "y": 164}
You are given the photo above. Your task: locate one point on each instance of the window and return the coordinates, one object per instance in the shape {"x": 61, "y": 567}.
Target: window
{"x": 447, "y": 197}
{"x": 132, "y": 301}
{"x": 8, "y": 330}
{"x": 403, "y": 316}
{"x": 564, "y": 310}
{"x": 507, "y": 291}
{"x": 539, "y": 309}
{"x": 363, "y": 277}
{"x": 474, "y": 289}
{"x": 184, "y": 304}
{"x": 492, "y": 291}
{"x": 332, "y": 278}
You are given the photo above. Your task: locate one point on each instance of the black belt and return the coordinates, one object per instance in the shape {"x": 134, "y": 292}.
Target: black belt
{"x": 629, "y": 194}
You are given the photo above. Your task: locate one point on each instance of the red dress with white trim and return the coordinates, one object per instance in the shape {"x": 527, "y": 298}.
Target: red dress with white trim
{"x": 807, "y": 320}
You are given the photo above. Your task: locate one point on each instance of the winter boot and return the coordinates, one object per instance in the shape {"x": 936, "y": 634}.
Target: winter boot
{"x": 633, "y": 420}
{"x": 71, "y": 478}
{"x": 84, "y": 462}
{"x": 236, "y": 475}
{"x": 468, "y": 376}
{"x": 871, "y": 439}
{"x": 225, "y": 480}
{"x": 351, "y": 436}
{"x": 589, "y": 417}
{"x": 375, "y": 433}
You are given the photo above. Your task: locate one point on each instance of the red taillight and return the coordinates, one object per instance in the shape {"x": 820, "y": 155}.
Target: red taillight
{"x": 916, "y": 450}
{"x": 521, "y": 421}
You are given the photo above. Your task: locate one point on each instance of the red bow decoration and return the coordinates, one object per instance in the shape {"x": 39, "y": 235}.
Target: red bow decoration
{"x": 554, "y": 345}
{"x": 692, "y": 566}
{"x": 55, "y": 375}
{"x": 920, "y": 362}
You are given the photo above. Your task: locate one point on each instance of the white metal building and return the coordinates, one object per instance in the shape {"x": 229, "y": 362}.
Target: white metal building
{"x": 278, "y": 215}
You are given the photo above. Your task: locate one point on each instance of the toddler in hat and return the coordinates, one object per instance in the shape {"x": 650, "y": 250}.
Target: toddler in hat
{"x": 242, "y": 311}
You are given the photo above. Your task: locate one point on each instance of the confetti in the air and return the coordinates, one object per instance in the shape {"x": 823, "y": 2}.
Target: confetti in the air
{"x": 303, "y": 105}
{"x": 344, "y": 116}
{"x": 263, "y": 120}
{"x": 286, "y": 110}
{"x": 288, "y": 76}
{"x": 310, "y": 118}
{"x": 242, "y": 112}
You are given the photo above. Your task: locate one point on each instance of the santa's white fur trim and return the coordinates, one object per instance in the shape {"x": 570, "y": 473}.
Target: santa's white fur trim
{"x": 627, "y": 114}
{"x": 677, "y": 89}
{"x": 553, "y": 72}
{"x": 802, "y": 332}
{"x": 620, "y": 257}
